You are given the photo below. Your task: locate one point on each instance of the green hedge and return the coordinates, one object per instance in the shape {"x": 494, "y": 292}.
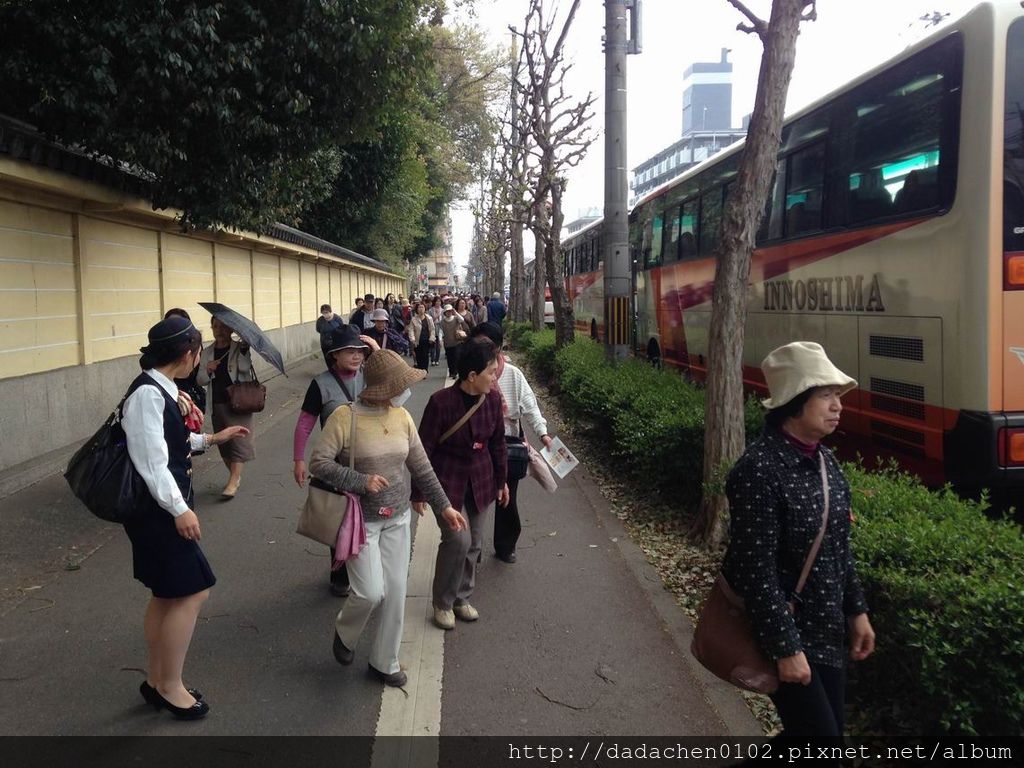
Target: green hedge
{"x": 945, "y": 582}
{"x": 946, "y": 588}
{"x": 652, "y": 420}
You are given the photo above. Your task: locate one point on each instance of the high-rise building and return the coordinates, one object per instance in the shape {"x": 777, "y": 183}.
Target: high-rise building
{"x": 706, "y": 126}
{"x": 435, "y": 270}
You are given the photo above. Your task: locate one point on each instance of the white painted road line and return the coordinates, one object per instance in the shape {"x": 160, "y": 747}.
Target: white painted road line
{"x": 416, "y": 709}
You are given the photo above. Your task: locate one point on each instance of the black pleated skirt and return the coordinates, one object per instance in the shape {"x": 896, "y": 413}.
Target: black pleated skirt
{"x": 168, "y": 564}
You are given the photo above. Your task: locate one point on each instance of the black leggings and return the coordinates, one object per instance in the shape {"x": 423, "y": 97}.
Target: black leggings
{"x": 812, "y": 713}
{"x": 423, "y": 356}
{"x": 452, "y": 356}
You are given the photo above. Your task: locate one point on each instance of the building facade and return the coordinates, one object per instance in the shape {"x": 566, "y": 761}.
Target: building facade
{"x": 706, "y": 126}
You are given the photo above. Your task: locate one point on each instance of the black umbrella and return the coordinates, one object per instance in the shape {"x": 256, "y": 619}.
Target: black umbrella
{"x": 251, "y": 333}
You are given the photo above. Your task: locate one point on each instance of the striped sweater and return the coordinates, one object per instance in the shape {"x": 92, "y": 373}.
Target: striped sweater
{"x": 386, "y": 444}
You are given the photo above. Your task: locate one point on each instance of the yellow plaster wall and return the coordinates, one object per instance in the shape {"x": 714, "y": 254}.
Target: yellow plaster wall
{"x": 335, "y": 288}
{"x": 234, "y": 278}
{"x": 266, "y": 282}
{"x": 78, "y": 288}
{"x": 350, "y": 294}
{"x": 291, "y": 298}
{"x": 323, "y": 286}
{"x": 120, "y": 287}
{"x": 38, "y": 294}
{"x": 188, "y": 274}
{"x": 307, "y": 287}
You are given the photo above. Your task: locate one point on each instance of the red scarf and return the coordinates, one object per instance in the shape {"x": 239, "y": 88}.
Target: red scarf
{"x": 192, "y": 415}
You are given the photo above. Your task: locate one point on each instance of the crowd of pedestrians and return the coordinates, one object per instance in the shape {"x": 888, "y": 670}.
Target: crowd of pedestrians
{"x": 456, "y": 460}
{"x": 788, "y": 560}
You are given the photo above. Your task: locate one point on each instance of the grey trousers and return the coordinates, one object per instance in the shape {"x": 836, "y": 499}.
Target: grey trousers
{"x": 457, "y": 554}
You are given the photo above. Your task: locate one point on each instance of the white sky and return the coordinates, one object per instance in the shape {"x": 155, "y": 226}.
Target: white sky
{"x": 848, "y": 38}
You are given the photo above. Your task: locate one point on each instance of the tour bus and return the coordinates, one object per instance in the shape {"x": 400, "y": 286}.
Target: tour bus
{"x": 584, "y": 283}
{"x": 894, "y": 236}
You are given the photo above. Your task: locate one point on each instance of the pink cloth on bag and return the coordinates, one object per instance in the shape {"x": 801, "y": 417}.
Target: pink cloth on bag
{"x": 351, "y": 535}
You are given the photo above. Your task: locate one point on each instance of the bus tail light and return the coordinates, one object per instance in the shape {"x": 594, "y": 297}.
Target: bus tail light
{"x": 1011, "y": 447}
{"x": 1013, "y": 279}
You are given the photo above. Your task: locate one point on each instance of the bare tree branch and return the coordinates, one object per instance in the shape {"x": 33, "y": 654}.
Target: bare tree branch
{"x": 757, "y": 24}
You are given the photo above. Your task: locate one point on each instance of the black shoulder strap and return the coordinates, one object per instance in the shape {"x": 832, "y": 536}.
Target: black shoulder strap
{"x": 344, "y": 388}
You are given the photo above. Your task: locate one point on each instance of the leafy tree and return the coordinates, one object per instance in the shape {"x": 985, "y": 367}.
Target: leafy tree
{"x": 391, "y": 196}
{"x": 238, "y": 112}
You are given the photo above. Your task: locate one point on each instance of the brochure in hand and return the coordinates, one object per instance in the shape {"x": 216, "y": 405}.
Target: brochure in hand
{"x": 560, "y": 458}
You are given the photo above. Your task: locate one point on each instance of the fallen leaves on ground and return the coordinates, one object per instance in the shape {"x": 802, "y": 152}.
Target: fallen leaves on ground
{"x": 686, "y": 569}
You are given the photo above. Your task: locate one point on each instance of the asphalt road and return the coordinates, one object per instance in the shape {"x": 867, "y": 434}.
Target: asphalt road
{"x": 577, "y": 638}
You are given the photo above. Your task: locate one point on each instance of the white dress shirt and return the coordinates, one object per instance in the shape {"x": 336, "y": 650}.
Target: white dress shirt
{"x": 143, "y": 423}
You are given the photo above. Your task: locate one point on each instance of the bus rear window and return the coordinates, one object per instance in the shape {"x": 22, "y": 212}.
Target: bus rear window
{"x": 1013, "y": 138}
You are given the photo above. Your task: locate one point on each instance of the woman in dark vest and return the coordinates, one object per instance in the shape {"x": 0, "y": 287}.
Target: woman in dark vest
{"x": 165, "y": 531}
{"x": 339, "y": 385}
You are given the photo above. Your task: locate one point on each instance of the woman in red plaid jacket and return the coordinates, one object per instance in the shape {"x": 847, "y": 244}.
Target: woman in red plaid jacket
{"x": 470, "y": 462}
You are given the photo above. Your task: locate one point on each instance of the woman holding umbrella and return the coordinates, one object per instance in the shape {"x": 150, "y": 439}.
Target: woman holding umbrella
{"x": 226, "y": 362}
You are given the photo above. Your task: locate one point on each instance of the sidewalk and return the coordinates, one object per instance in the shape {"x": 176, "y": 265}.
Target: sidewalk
{"x": 577, "y": 638}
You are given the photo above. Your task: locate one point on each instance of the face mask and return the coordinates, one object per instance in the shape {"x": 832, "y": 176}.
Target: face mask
{"x": 399, "y": 400}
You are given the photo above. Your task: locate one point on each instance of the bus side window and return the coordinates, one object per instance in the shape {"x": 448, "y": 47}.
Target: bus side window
{"x": 710, "y": 218}
{"x": 654, "y": 255}
{"x": 804, "y": 190}
{"x": 688, "y": 228}
{"x": 670, "y": 251}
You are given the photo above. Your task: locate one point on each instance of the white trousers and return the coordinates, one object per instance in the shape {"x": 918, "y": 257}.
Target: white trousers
{"x": 378, "y": 576}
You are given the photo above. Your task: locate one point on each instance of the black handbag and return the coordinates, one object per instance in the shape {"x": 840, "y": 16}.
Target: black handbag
{"x": 518, "y": 457}
{"x": 102, "y": 476}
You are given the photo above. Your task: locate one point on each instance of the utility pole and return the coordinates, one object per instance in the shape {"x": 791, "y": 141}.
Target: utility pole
{"x": 619, "y": 41}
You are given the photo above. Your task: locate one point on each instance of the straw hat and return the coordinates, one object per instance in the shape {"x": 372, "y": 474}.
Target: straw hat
{"x": 380, "y": 314}
{"x": 797, "y": 367}
{"x": 387, "y": 375}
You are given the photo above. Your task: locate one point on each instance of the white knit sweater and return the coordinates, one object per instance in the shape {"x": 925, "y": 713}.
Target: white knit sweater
{"x": 521, "y": 402}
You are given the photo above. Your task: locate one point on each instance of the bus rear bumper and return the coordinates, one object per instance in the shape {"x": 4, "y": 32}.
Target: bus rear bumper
{"x": 971, "y": 451}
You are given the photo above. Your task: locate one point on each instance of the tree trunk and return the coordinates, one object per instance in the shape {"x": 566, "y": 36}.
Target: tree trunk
{"x": 538, "y": 279}
{"x": 517, "y": 276}
{"x": 555, "y": 272}
{"x": 724, "y": 428}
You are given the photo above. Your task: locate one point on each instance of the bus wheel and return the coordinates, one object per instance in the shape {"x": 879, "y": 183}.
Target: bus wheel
{"x": 593, "y": 330}
{"x": 654, "y": 353}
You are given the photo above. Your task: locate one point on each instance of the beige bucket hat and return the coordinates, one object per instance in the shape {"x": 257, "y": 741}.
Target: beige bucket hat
{"x": 387, "y": 375}
{"x": 797, "y": 367}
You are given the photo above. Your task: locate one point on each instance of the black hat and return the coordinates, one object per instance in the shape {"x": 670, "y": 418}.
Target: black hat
{"x": 345, "y": 337}
{"x": 168, "y": 331}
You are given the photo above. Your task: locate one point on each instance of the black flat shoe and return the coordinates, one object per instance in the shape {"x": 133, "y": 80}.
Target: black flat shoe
{"x": 395, "y": 679}
{"x": 197, "y": 711}
{"x": 341, "y": 653}
{"x": 339, "y": 590}
{"x": 149, "y": 693}
{"x": 507, "y": 558}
